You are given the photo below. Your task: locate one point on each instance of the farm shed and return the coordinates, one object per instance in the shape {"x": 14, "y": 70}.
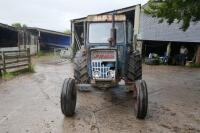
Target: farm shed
{"x": 8, "y": 36}
{"x": 12, "y": 39}
{"x": 50, "y": 39}
{"x": 155, "y": 37}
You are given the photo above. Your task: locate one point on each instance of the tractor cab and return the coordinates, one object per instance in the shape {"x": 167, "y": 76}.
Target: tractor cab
{"x": 105, "y": 43}
{"x": 100, "y": 30}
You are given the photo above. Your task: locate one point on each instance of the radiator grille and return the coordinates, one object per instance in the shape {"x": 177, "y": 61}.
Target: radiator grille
{"x": 102, "y": 71}
{"x": 102, "y": 61}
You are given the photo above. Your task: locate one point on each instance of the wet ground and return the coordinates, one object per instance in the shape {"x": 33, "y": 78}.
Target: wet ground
{"x": 31, "y": 103}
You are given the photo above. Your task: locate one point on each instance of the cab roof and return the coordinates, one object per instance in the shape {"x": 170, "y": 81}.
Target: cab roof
{"x": 118, "y": 11}
{"x": 105, "y": 18}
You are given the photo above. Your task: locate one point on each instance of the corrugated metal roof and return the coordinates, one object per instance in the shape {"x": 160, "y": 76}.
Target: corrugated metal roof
{"x": 7, "y": 27}
{"x": 151, "y": 29}
{"x": 118, "y": 11}
{"x": 47, "y": 31}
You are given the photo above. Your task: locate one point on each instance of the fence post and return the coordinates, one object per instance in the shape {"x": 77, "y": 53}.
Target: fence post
{"x": 29, "y": 58}
{"x": 4, "y": 62}
{"x": 18, "y": 55}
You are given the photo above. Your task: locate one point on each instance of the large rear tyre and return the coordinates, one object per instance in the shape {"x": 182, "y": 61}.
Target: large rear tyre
{"x": 141, "y": 99}
{"x": 68, "y": 97}
{"x": 134, "y": 68}
{"x": 80, "y": 67}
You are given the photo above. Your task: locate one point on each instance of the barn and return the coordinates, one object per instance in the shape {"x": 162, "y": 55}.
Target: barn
{"x": 8, "y": 36}
{"x": 13, "y": 39}
{"x": 49, "y": 39}
{"x": 155, "y": 37}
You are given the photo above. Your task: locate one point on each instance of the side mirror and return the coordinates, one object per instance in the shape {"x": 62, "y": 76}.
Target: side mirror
{"x": 110, "y": 42}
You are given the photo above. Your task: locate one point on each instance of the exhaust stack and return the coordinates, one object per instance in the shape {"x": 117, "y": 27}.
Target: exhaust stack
{"x": 113, "y": 31}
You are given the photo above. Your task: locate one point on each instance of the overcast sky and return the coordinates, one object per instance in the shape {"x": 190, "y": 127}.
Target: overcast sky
{"x": 56, "y": 14}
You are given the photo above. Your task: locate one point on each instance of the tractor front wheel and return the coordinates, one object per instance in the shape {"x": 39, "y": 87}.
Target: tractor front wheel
{"x": 68, "y": 97}
{"x": 141, "y": 99}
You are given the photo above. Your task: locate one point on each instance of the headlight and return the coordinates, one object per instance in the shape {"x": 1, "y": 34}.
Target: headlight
{"x": 96, "y": 74}
{"x": 111, "y": 74}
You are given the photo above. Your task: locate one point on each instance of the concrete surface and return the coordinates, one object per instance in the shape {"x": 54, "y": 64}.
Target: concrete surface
{"x": 31, "y": 103}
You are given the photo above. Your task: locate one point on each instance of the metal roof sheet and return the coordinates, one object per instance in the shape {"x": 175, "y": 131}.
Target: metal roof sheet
{"x": 7, "y": 27}
{"x": 118, "y": 11}
{"x": 47, "y": 31}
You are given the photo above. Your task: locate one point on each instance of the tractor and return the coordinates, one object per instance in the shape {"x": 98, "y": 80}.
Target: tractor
{"x": 106, "y": 58}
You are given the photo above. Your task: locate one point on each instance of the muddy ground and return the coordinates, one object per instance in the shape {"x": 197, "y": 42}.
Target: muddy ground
{"x": 31, "y": 103}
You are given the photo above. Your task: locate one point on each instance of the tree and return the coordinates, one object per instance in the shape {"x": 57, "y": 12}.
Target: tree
{"x": 184, "y": 11}
{"x": 67, "y": 31}
{"x": 19, "y": 26}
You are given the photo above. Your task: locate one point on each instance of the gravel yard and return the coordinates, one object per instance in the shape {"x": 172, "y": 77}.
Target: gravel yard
{"x": 31, "y": 103}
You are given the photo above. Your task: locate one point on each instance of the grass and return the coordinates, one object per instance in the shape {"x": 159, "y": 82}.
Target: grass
{"x": 195, "y": 65}
{"x": 45, "y": 55}
{"x": 9, "y": 75}
{"x": 31, "y": 68}
{"x": 42, "y": 53}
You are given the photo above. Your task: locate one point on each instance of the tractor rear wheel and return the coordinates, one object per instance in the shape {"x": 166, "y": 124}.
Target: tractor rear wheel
{"x": 141, "y": 99}
{"x": 80, "y": 67}
{"x": 68, "y": 97}
{"x": 134, "y": 68}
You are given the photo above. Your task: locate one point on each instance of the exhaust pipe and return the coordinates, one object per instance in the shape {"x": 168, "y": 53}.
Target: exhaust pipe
{"x": 113, "y": 31}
